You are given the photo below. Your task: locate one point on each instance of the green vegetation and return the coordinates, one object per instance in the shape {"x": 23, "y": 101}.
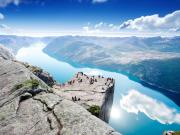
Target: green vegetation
{"x": 35, "y": 69}
{"x": 33, "y": 83}
{"x": 2, "y": 116}
{"x": 94, "y": 110}
{"x": 18, "y": 86}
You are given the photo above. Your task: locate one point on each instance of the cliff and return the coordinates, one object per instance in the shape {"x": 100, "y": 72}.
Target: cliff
{"x": 95, "y": 93}
{"x": 43, "y": 75}
{"x": 29, "y": 106}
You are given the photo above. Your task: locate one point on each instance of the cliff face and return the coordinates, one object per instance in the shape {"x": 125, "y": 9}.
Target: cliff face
{"x": 107, "y": 103}
{"x": 40, "y": 73}
{"x": 91, "y": 92}
{"x": 29, "y": 106}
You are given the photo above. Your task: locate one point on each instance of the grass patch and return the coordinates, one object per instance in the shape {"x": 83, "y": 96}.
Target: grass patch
{"x": 33, "y": 83}
{"x": 18, "y": 86}
{"x": 94, "y": 110}
{"x": 35, "y": 69}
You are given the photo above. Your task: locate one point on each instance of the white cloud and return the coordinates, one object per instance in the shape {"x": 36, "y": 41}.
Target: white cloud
{"x": 92, "y": 1}
{"x": 99, "y": 25}
{"x": 89, "y": 30}
{"x": 135, "y": 102}
{"x": 6, "y": 30}
{"x": 152, "y": 25}
{"x": 3, "y": 26}
{"x": 1, "y": 16}
{"x": 99, "y": 1}
{"x": 155, "y": 23}
{"x": 4, "y": 3}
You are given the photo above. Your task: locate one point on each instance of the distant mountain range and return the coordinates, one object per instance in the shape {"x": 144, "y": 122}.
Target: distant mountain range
{"x": 14, "y": 43}
{"x": 154, "y": 61}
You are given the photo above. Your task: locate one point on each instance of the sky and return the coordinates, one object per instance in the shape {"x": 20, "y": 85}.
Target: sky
{"x": 90, "y": 17}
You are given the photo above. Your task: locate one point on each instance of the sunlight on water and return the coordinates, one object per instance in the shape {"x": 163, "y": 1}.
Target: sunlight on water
{"x": 35, "y": 48}
{"x": 93, "y": 72}
{"x": 115, "y": 113}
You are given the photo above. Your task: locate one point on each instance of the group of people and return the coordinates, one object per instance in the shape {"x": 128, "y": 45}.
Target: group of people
{"x": 91, "y": 79}
{"x": 75, "y": 98}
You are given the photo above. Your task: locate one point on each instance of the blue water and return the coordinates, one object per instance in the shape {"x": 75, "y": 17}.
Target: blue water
{"x": 137, "y": 110}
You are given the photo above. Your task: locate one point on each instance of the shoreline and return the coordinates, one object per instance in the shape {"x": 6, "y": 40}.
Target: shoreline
{"x": 165, "y": 92}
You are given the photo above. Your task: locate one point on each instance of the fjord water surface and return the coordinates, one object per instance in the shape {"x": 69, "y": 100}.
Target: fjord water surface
{"x": 137, "y": 110}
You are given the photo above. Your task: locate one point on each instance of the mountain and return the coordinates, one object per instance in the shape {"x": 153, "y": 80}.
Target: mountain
{"x": 14, "y": 43}
{"x": 29, "y": 106}
{"x": 154, "y": 61}
{"x": 5, "y": 53}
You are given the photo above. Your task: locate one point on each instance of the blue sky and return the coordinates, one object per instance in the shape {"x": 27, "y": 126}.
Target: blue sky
{"x": 90, "y": 17}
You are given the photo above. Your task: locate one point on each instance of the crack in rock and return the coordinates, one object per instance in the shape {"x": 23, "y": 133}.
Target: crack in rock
{"x": 32, "y": 127}
{"x": 60, "y": 126}
{"x": 22, "y": 98}
{"x": 51, "y": 109}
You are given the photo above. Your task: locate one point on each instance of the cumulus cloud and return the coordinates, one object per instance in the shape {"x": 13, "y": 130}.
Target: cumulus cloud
{"x": 170, "y": 22}
{"x": 153, "y": 25}
{"x": 4, "y": 3}
{"x": 89, "y": 30}
{"x": 92, "y": 1}
{"x": 99, "y": 27}
{"x": 135, "y": 102}
{"x": 4, "y": 29}
{"x": 1, "y": 16}
{"x": 3, "y": 26}
{"x": 99, "y": 1}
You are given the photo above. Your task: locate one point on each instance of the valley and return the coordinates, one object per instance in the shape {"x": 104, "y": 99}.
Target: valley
{"x": 152, "y": 61}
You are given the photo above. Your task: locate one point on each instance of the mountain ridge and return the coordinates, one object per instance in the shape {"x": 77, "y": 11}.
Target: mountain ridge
{"x": 152, "y": 61}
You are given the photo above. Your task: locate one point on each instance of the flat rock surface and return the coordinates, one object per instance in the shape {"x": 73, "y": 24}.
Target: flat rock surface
{"x": 87, "y": 90}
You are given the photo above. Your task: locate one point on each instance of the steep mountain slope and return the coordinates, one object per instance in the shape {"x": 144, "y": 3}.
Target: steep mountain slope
{"x": 14, "y": 43}
{"x": 5, "y": 53}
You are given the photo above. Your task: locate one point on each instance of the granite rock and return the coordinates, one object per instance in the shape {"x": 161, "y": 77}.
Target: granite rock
{"x": 28, "y": 106}
{"x": 89, "y": 91}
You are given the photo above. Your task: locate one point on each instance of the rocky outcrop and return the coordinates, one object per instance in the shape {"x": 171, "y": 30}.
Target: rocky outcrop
{"x": 43, "y": 75}
{"x": 5, "y": 53}
{"x": 91, "y": 92}
{"x": 28, "y": 106}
